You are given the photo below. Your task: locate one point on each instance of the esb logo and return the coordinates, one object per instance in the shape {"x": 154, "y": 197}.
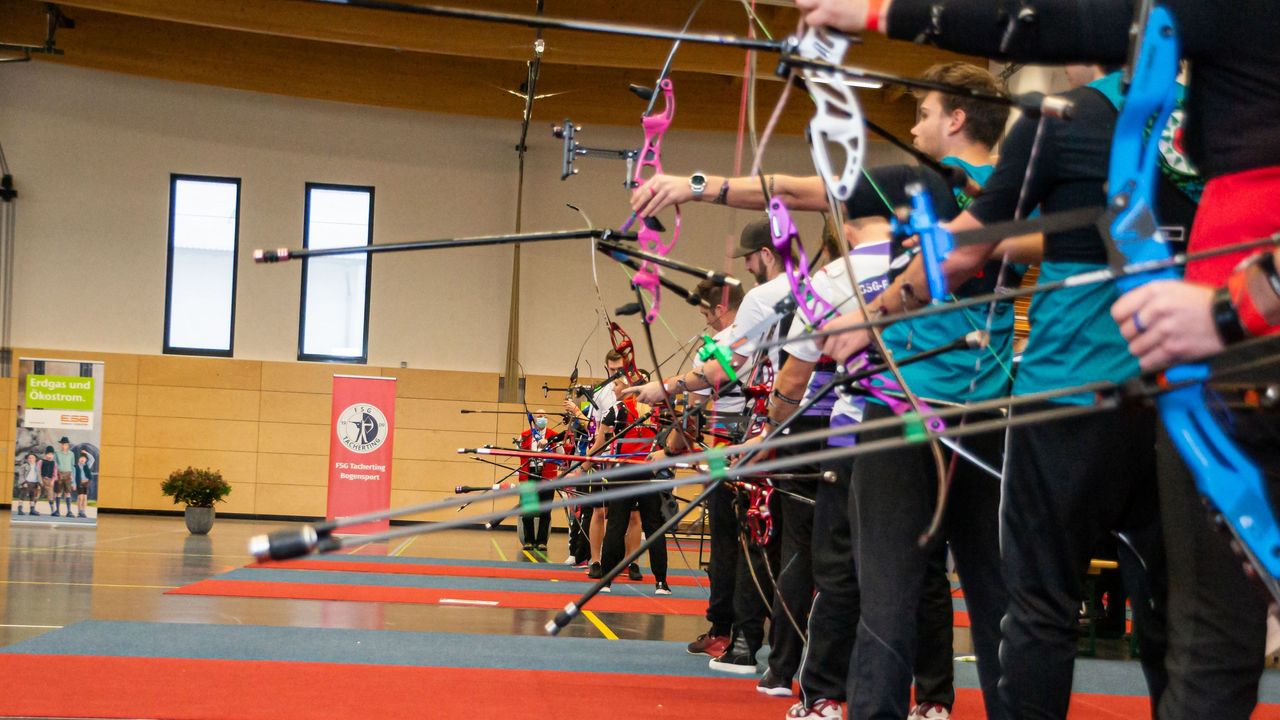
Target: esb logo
{"x": 362, "y": 428}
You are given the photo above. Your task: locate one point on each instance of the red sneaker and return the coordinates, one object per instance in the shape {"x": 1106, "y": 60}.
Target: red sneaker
{"x": 708, "y": 644}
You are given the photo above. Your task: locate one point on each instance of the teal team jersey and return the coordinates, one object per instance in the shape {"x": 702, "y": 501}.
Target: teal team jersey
{"x": 951, "y": 376}
{"x": 1073, "y": 338}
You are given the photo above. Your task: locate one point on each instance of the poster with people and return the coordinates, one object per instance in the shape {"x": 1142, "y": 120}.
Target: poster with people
{"x": 57, "y": 447}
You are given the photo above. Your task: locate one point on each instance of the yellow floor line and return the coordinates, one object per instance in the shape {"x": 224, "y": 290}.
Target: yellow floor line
{"x": 532, "y": 559}
{"x": 404, "y": 546}
{"x": 35, "y": 582}
{"x": 498, "y": 547}
{"x": 604, "y": 629}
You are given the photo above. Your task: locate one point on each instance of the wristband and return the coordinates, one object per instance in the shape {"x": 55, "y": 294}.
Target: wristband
{"x": 723, "y": 196}
{"x": 873, "y": 15}
{"x": 1225, "y": 317}
{"x": 784, "y": 398}
{"x": 1248, "y": 316}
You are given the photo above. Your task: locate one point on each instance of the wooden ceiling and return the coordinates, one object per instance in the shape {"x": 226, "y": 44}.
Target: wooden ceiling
{"x": 304, "y": 49}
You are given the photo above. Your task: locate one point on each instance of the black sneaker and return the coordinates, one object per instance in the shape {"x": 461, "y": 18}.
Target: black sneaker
{"x": 633, "y": 572}
{"x": 773, "y": 685}
{"x": 595, "y": 572}
{"x": 607, "y": 588}
{"x": 661, "y": 588}
{"x": 739, "y": 659}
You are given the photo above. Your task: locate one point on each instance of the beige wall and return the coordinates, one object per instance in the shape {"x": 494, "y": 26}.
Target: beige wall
{"x": 265, "y": 426}
{"x": 92, "y": 153}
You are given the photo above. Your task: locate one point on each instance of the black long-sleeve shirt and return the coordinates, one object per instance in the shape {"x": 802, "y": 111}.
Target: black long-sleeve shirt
{"x": 1233, "y": 101}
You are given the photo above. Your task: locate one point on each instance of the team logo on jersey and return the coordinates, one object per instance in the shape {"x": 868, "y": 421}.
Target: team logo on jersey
{"x": 362, "y": 428}
{"x": 1172, "y": 152}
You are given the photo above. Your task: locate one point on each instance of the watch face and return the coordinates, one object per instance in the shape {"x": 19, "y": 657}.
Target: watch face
{"x": 697, "y": 181}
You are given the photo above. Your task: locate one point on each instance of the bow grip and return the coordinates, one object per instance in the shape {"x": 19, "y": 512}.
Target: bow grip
{"x": 1223, "y": 474}
{"x": 712, "y": 350}
{"x": 936, "y": 242}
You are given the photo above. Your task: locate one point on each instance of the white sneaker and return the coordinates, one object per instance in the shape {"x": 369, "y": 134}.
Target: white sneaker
{"x": 820, "y": 710}
{"x": 929, "y": 711}
{"x": 571, "y": 560}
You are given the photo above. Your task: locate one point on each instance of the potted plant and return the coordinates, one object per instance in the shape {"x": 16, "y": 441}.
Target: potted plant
{"x": 198, "y": 490}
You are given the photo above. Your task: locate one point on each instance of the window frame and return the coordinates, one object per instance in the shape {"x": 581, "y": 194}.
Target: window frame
{"x": 168, "y": 347}
{"x": 303, "y": 356}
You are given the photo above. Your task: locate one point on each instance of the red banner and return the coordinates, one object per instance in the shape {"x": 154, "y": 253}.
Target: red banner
{"x": 363, "y": 418}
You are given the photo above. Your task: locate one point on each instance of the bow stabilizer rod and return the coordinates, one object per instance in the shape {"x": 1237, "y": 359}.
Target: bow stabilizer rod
{"x": 286, "y": 254}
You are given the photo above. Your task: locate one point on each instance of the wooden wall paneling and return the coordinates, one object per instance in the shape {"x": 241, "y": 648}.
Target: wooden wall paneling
{"x": 444, "y": 384}
{"x": 119, "y": 429}
{"x": 439, "y": 445}
{"x": 439, "y": 476}
{"x": 418, "y": 414}
{"x": 197, "y": 372}
{"x": 308, "y": 377}
{"x": 120, "y": 398}
{"x": 191, "y": 434}
{"x": 273, "y": 499}
{"x": 157, "y": 463}
{"x": 296, "y": 407}
{"x": 293, "y": 469}
{"x": 203, "y": 403}
{"x": 115, "y": 491}
{"x": 304, "y": 439}
{"x": 116, "y": 460}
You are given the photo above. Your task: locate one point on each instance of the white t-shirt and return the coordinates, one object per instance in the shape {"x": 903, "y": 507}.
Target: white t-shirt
{"x": 604, "y": 400}
{"x": 757, "y": 307}
{"x": 871, "y": 265}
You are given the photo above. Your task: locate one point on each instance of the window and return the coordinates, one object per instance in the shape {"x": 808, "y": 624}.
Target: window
{"x": 204, "y": 238}
{"x": 335, "y": 288}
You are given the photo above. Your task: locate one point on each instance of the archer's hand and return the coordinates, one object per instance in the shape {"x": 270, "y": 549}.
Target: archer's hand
{"x": 658, "y": 192}
{"x": 748, "y": 444}
{"x": 650, "y": 393}
{"x": 847, "y": 15}
{"x": 1176, "y": 319}
{"x": 845, "y": 345}
{"x": 572, "y": 409}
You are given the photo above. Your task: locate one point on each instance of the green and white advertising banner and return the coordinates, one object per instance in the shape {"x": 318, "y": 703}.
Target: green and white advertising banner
{"x": 57, "y": 448}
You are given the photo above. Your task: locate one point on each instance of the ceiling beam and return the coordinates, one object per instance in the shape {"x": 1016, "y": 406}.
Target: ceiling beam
{"x": 409, "y": 80}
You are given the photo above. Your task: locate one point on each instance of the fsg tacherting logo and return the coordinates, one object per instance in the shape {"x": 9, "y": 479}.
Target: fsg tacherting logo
{"x": 362, "y": 428}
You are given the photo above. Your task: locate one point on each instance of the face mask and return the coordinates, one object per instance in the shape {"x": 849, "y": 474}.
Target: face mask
{"x": 540, "y": 422}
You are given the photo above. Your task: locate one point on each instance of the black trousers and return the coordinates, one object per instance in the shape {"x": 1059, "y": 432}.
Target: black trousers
{"x": 893, "y": 496}
{"x": 1068, "y": 483}
{"x": 752, "y": 585}
{"x": 615, "y": 533}
{"x": 579, "y": 543}
{"x": 1217, "y": 616}
{"x": 793, "y": 595}
{"x": 723, "y": 527}
{"x": 538, "y": 533}
{"x": 833, "y": 618}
